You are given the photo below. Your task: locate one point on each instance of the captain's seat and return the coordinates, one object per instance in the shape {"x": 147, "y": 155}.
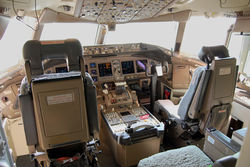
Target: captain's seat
{"x": 59, "y": 110}
{"x": 207, "y": 102}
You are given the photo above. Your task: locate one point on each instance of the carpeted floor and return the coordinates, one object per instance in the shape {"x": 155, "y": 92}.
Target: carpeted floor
{"x": 24, "y": 161}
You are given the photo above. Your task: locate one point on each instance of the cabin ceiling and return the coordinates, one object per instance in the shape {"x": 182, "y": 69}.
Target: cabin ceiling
{"x": 123, "y": 11}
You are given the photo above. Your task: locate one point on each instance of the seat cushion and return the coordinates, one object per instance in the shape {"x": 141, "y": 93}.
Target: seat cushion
{"x": 180, "y": 112}
{"x": 169, "y": 108}
{"x": 189, "y": 156}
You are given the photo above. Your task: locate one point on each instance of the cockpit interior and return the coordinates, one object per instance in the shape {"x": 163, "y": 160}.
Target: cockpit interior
{"x": 109, "y": 83}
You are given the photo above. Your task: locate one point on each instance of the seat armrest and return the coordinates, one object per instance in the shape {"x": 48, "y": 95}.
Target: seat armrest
{"x": 218, "y": 145}
{"x": 228, "y": 161}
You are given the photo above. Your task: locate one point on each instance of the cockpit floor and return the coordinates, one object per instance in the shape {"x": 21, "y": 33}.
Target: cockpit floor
{"x": 105, "y": 158}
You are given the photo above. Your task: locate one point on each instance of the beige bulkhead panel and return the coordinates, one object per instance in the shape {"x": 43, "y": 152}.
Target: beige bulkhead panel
{"x": 9, "y": 86}
{"x": 242, "y": 24}
{"x": 9, "y": 103}
{"x": 16, "y": 136}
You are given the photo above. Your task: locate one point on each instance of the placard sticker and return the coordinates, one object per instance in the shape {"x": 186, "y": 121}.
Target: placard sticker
{"x": 7, "y": 92}
{"x": 225, "y": 71}
{"x": 59, "y": 99}
{"x": 210, "y": 139}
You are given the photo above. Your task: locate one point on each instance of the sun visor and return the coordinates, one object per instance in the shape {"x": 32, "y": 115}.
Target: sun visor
{"x": 4, "y": 21}
{"x": 242, "y": 24}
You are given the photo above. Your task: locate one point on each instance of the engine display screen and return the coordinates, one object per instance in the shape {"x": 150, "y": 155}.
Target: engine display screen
{"x": 92, "y": 65}
{"x": 105, "y": 69}
{"x": 141, "y": 65}
{"x": 128, "y": 67}
{"x": 125, "y": 113}
{"x": 93, "y": 72}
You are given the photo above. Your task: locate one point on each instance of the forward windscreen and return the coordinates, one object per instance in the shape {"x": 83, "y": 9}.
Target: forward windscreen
{"x": 157, "y": 33}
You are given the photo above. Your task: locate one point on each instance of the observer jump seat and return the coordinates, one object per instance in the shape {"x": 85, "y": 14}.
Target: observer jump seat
{"x": 207, "y": 102}
{"x": 58, "y": 109}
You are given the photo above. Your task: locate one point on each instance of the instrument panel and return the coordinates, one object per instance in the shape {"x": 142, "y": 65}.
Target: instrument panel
{"x": 121, "y": 68}
{"x": 117, "y": 62}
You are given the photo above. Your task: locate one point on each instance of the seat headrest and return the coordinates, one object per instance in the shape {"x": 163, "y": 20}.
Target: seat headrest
{"x": 36, "y": 52}
{"x": 208, "y": 54}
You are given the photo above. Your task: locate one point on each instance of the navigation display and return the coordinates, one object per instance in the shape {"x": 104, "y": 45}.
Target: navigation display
{"x": 125, "y": 113}
{"x": 128, "y": 67}
{"x": 61, "y": 69}
{"x": 105, "y": 69}
{"x": 141, "y": 65}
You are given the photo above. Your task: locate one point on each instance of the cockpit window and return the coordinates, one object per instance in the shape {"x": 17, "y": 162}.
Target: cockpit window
{"x": 246, "y": 68}
{"x": 201, "y": 31}
{"x": 239, "y": 47}
{"x": 84, "y": 32}
{"x": 11, "y": 45}
{"x": 235, "y": 46}
{"x": 156, "y": 33}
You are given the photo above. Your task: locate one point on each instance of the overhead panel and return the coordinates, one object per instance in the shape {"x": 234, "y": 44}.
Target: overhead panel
{"x": 122, "y": 11}
{"x": 153, "y": 8}
{"x": 234, "y": 3}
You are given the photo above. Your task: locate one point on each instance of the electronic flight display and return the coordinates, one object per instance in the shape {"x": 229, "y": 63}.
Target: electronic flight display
{"x": 92, "y": 65}
{"x": 61, "y": 69}
{"x": 141, "y": 65}
{"x": 93, "y": 72}
{"x": 105, "y": 69}
{"x": 128, "y": 67}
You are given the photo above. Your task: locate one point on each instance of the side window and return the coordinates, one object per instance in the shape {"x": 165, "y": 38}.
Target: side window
{"x": 201, "y": 31}
{"x": 246, "y": 69}
{"x": 11, "y": 44}
{"x": 239, "y": 47}
{"x": 235, "y": 46}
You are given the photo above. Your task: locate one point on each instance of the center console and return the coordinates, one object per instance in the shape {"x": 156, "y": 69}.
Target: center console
{"x": 133, "y": 132}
